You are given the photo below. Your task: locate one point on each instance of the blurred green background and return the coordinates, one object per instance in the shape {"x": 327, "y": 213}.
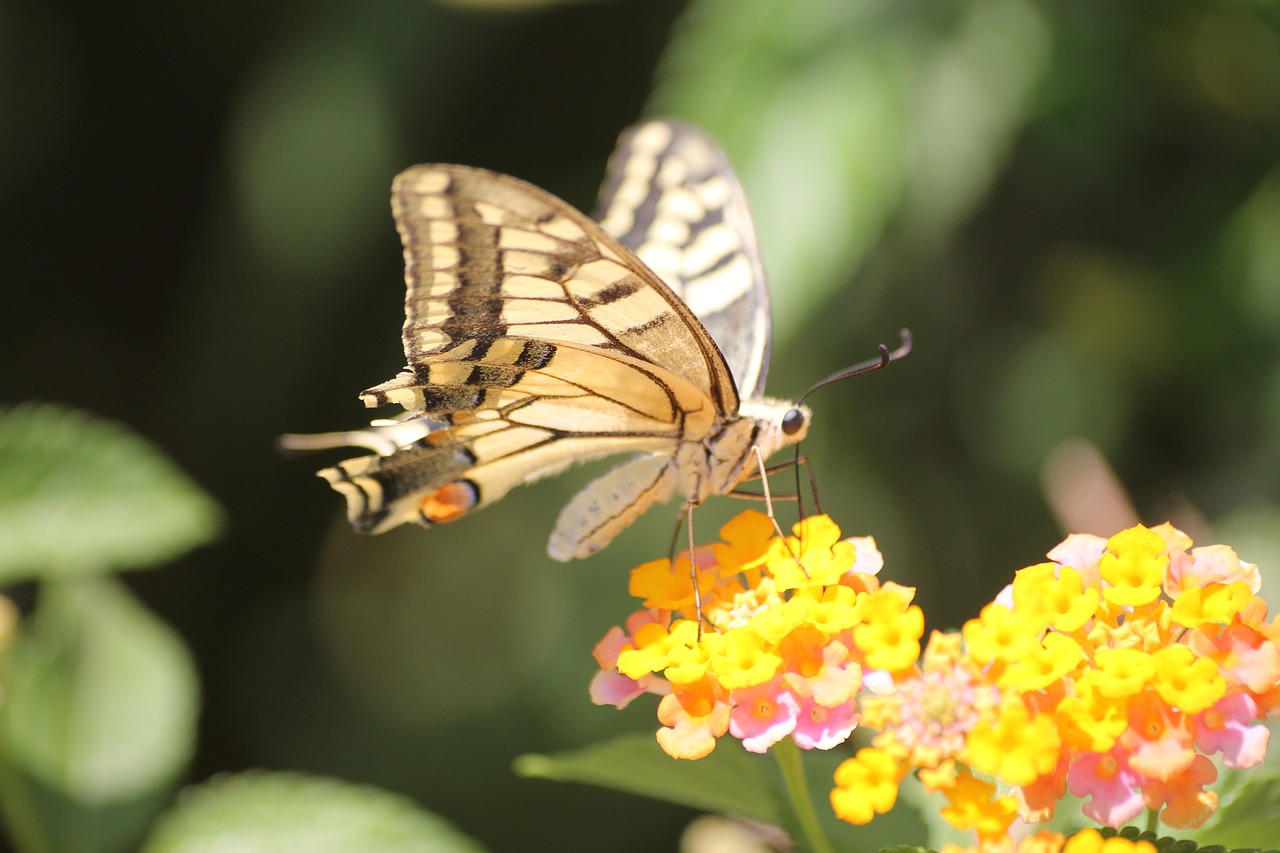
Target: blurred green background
{"x": 1074, "y": 206}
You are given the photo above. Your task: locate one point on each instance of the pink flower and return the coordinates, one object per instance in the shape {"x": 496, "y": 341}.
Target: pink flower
{"x": 1187, "y": 803}
{"x": 1209, "y": 564}
{"x": 1110, "y": 784}
{"x": 819, "y": 727}
{"x": 1225, "y": 728}
{"x": 1244, "y": 655}
{"x": 1083, "y": 552}
{"x": 869, "y": 561}
{"x": 610, "y": 687}
{"x": 763, "y": 714}
{"x": 1159, "y": 737}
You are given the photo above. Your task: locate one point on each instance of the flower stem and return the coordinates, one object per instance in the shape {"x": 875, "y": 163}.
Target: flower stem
{"x": 788, "y": 755}
{"x": 1153, "y": 820}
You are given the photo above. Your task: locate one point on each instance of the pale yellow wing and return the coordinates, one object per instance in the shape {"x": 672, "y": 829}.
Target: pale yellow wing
{"x": 489, "y": 257}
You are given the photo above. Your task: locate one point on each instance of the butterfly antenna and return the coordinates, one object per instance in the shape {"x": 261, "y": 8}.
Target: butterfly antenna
{"x": 871, "y": 365}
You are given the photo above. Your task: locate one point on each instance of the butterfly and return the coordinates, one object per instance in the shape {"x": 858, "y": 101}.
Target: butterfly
{"x": 536, "y": 337}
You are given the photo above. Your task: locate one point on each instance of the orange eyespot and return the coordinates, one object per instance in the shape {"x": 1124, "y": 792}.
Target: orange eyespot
{"x": 440, "y": 436}
{"x": 449, "y": 502}
{"x": 792, "y": 421}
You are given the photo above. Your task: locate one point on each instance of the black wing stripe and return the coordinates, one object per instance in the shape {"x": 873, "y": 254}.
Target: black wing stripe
{"x": 489, "y": 256}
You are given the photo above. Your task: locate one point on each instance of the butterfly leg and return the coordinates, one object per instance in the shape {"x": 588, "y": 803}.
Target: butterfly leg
{"x": 813, "y": 485}
{"x": 686, "y": 520}
{"x": 693, "y": 567}
{"x": 797, "y": 463}
{"x": 763, "y": 475}
{"x": 675, "y": 534}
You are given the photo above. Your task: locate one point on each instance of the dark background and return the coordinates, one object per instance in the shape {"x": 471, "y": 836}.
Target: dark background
{"x": 1075, "y": 206}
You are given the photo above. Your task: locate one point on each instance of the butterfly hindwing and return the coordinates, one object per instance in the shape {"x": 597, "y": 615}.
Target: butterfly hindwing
{"x": 508, "y": 425}
{"x": 671, "y": 197}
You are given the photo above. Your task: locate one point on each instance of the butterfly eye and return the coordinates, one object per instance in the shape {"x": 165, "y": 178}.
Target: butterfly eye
{"x": 792, "y": 422}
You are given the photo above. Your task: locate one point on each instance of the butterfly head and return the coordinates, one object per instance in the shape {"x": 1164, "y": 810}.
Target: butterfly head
{"x": 795, "y": 422}
{"x": 779, "y": 423}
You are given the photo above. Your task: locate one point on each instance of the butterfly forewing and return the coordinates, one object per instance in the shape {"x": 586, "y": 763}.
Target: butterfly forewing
{"x": 671, "y": 197}
{"x": 489, "y": 256}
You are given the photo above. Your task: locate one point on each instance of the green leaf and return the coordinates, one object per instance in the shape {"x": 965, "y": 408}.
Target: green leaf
{"x": 81, "y": 495}
{"x": 728, "y": 781}
{"x": 99, "y": 718}
{"x": 1250, "y": 812}
{"x": 268, "y": 812}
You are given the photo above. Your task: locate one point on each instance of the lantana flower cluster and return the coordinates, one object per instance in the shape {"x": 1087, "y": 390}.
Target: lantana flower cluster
{"x": 1115, "y": 671}
{"x": 1118, "y": 671}
{"x": 789, "y": 630}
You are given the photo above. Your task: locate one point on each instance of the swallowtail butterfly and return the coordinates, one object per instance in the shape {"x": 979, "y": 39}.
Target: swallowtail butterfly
{"x": 536, "y": 337}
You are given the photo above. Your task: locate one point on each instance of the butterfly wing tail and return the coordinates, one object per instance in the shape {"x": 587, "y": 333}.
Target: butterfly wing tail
{"x": 382, "y": 437}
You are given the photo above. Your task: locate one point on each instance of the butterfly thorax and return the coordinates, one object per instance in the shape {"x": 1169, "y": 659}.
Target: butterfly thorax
{"x": 717, "y": 463}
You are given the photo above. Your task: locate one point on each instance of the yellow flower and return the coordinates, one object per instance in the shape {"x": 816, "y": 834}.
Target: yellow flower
{"x": 782, "y": 618}
{"x": 1134, "y": 567}
{"x": 1063, "y": 600}
{"x": 653, "y": 645}
{"x": 688, "y": 662}
{"x": 1018, "y": 747}
{"x": 1122, "y": 672}
{"x": 866, "y": 785}
{"x": 1000, "y": 634}
{"x": 1045, "y": 662}
{"x": 823, "y": 557}
{"x": 890, "y": 633}
{"x": 1090, "y": 721}
{"x": 1091, "y": 841}
{"x": 1186, "y": 682}
{"x": 744, "y": 659}
{"x": 838, "y": 609}
{"x": 1213, "y": 604}
{"x": 973, "y": 807}
{"x": 746, "y": 542}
